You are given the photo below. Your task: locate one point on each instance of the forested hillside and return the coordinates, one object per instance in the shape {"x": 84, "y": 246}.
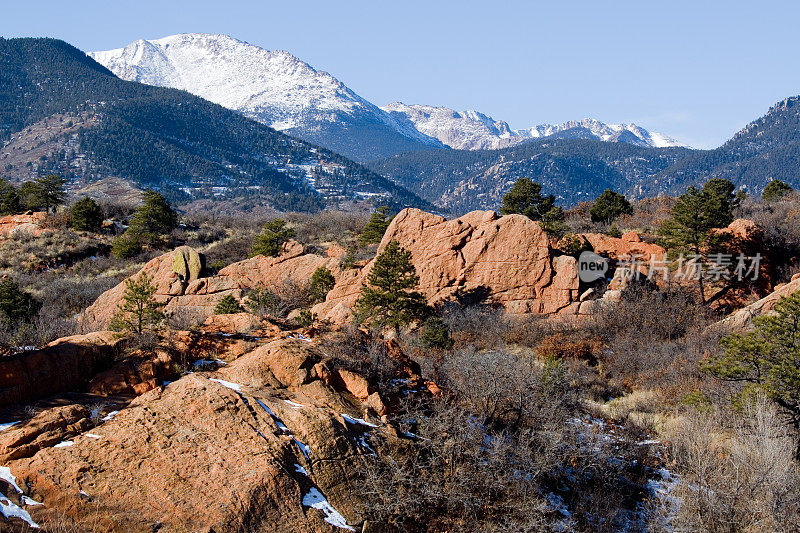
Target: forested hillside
{"x": 157, "y": 137}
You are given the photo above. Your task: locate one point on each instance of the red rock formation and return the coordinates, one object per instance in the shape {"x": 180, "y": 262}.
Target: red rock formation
{"x": 64, "y": 365}
{"x": 29, "y": 223}
{"x": 181, "y": 286}
{"x": 508, "y": 258}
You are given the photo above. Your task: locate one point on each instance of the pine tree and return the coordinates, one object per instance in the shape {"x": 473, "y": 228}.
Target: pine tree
{"x": 30, "y": 196}
{"x": 10, "y": 203}
{"x": 389, "y": 300}
{"x": 525, "y": 198}
{"x": 436, "y": 334}
{"x": 322, "y": 281}
{"x": 139, "y": 309}
{"x": 154, "y": 218}
{"x": 46, "y": 192}
{"x": 85, "y": 215}
{"x": 609, "y": 206}
{"x": 695, "y": 214}
{"x": 272, "y": 238}
{"x": 775, "y": 190}
{"x": 376, "y": 227}
{"x": 767, "y": 358}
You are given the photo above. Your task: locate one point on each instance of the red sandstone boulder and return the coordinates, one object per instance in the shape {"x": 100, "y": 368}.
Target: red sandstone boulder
{"x": 508, "y": 258}
{"x": 628, "y": 246}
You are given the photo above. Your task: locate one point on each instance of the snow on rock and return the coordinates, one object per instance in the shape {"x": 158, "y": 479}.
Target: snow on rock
{"x": 228, "y": 384}
{"x": 30, "y": 502}
{"x": 11, "y": 510}
{"x": 8, "y": 425}
{"x": 303, "y": 448}
{"x": 357, "y": 421}
{"x": 8, "y": 477}
{"x": 64, "y": 444}
{"x": 110, "y": 416}
{"x": 275, "y": 418}
{"x": 300, "y": 470}
{"x": 315, "y": 499}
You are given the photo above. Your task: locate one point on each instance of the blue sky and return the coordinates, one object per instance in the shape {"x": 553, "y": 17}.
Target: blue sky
{"x": 697, "y": 71}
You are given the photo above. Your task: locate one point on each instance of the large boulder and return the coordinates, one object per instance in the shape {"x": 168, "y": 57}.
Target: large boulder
{"x": 507, "y": 260}
{"x": 628, "y": 246}
{"x": 742, "y": 319}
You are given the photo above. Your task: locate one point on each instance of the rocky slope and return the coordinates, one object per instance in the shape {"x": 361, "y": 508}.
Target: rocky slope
{"x": 471, "y": 130}
{"x": 272, "y": 87}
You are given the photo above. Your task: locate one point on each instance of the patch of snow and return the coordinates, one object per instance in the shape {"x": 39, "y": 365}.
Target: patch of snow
{"x": 277, "y": 420}
{"x": 64, "y": 444}
{"x": 303, "y": 448}
{"x": 30, "y": 501}
{"x": 7, "y": 425}
{"x": 316, "y": 500}
{"x": 110, "y": 416}
{"x": 8, "y": 477}
{"x": 228, "y": 384}
{"x": 360, "y": 421}
{"x": 12, "y": 510}
{"x": 300, "y": 470}
{"x": 93, "y": 435}
{"x": 295, "y": 404}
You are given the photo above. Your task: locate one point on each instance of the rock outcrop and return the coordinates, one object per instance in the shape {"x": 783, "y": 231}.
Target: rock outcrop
{"x": 742, "y": 319}
{"x": 507, "y": 260}
{"x": 273, "y": 441}
{"x": 29, "y": 223}
{"x": 181, "y": 286}
{"x": 67, "y": 364}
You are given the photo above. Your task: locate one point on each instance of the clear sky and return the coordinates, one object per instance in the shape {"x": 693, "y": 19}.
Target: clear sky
{"x": 695, "y": 70}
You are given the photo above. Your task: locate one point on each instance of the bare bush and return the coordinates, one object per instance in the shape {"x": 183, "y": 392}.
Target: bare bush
{"x": 740, "y": 476}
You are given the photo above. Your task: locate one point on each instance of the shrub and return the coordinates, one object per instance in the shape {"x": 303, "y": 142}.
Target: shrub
{"x": 85, "y": 215}
{"x": 436, "y": 334}
{"x": 126, "y": 246}
{"x": 228, "y": 306}
{"x": 525, "y": 198}
{"x": 322, "y": 281}
{"x": 15, "y": 304}
{"x": 265, "y": 302}
{"x": 306, "y": 318}
{"x": 272, "y": 238}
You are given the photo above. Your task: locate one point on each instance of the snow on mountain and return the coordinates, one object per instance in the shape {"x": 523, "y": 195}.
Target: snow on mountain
{"x": 273, "y": 87}
{"x": 471, "y": 130}
{"x": 280, "y": 90}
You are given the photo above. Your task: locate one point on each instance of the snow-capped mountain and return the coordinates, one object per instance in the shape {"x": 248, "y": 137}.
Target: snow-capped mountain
{"x": 272, "y": 87}
{"x": 278, "y": 89}
{"x": 471, "y": 130}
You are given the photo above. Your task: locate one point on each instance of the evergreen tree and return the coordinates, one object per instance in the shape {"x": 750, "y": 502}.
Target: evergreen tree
{"x": 767, "y": 359}
{"x": 609, "y": 206}
{"x": 228, "y": 306}
{"x": 16, "y": 304}
{"x": 695, "y": 214}
{"x": 376, "y": 227}
{"x": 389, "y": 300}
{"x": 322, "y": 281}
{"x": 10, "y": 203}
{"x": 775, "y": 190}
{"x": 720, "y": 202}
{"x": 139, "y": 309}
{"x": 85, "y": 215}
{"x": 30, "y": 196}
{"x": 525, "y": 198}
{"x": 272, "y": 238}
{"x": 51, "y": 191}
{"x": 154, "y": 218}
